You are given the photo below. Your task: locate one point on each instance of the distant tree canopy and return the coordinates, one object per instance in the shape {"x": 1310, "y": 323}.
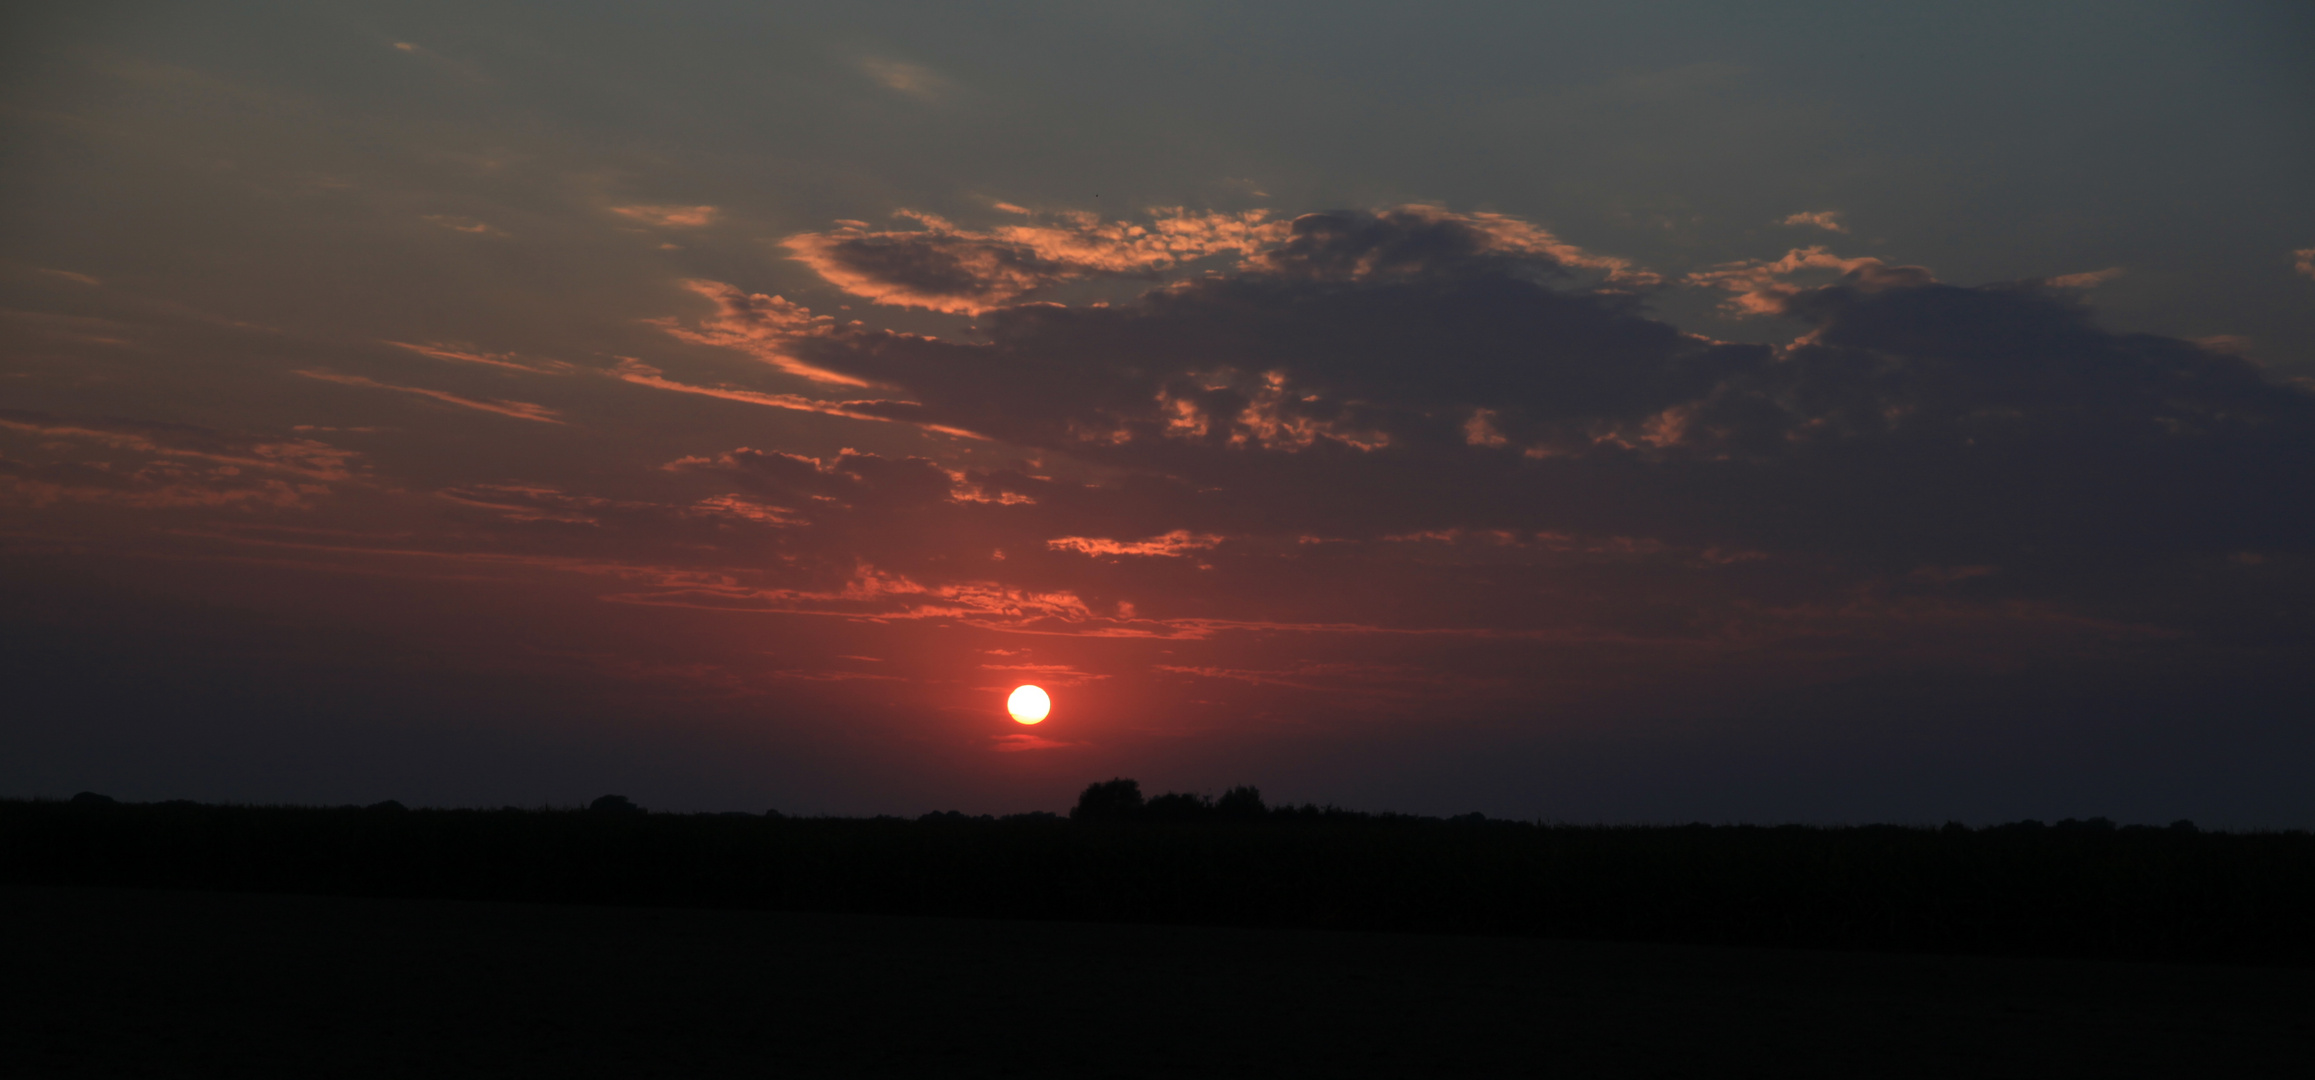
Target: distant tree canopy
{"x": 1121, "y": 800}
{"x": 1241, "y": 804}
{"x": 1108, "y": 800}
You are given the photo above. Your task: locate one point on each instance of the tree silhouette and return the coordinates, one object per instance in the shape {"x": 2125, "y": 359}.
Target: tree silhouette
{"x": 1241, "y": 804}
{"x": 614, "y": 804}
{"x": 1109, "y": 800}
{"x": 1177, "y": 806}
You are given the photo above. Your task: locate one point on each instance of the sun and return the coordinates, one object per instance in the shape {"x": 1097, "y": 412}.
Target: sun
{"x": 1028, "y": 704}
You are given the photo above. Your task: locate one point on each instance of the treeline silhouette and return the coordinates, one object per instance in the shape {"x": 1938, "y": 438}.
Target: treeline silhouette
{"x": 2077, "y": 888}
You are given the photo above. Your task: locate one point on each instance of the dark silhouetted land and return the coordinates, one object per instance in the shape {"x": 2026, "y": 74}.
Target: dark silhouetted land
{"x": 1173, "y": 936}
{"x": 163, "y": 983}
{"x": 2078, "y": 889}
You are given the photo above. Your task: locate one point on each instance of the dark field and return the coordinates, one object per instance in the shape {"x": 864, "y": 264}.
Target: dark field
{"x": 1171, "y": 939}
{"x": 2086, "y": 890}
{"x": 134, "y": 983}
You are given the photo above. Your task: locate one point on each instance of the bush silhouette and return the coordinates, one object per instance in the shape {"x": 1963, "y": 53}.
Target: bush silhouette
{"x": 1241, "y": 804}
{"x": 1176, "y": 806}
{"x": 1109, "y": 800}
{"x": 2082, "y": 887}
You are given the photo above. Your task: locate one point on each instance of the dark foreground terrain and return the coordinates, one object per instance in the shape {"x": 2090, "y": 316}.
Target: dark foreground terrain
{"x": 164, "y": 983}
{"x": 2083, "y": 890}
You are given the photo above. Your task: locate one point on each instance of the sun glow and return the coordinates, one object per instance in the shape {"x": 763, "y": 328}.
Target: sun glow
{"x": 1028, "y": 704}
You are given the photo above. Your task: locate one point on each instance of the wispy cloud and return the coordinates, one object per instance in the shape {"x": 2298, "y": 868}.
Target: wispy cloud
{"x": 465, "y": 225}
{"x": 2086, "y": 280}
{"x": 463, "y": 69}
{"x": 1333, "y": 678}
{"x": 669, "y": 217}
{"x": 1049, "y": 674}
{"x": 520, "y": 410}
{"x": 634, "y": 371}
{"x": 302, "y": 457}
{"x": 498, "y": 360}
{"x": 1176, "y": 544}
{"x": 2305, "y": 263}
{"x": 1763, "y": 286}
{"x": 764, "y": 327}
{"x": 914, "y": 80}
{"x": 942, "y": 267}
{"x": 1425, "y": 240}
{"x": 1022, "y": 740}
{"x": 157, "y": 466}
{"x": 1828, "y": 220}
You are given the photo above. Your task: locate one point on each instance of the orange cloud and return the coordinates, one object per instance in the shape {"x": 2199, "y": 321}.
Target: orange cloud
{"x": 1480, "y": 430}
{"x": 641, "y": 374}
{"x": 1173, "y": 545}
{"x": 2087, "y": 280}
{"x": 742, "y": 508}
{"x": 942, "y": 267}
{"x": 2306, "y": 261}
{"x": 1265, "y": 413}
{"x": 1763, "y": 286}
{"x": 758, "y": 325}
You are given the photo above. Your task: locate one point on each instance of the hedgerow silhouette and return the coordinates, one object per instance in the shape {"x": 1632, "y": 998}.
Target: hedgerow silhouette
{"x": 2077, "y": 888}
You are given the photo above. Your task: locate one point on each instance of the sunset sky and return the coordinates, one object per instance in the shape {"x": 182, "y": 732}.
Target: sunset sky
{"x": 1597, "y": 411}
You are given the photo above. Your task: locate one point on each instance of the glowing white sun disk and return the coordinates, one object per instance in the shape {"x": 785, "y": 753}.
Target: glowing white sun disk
{"x": 1028, "y": 704}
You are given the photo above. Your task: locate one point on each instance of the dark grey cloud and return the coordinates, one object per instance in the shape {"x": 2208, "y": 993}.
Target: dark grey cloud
{"x": 1916, "y": 414}
{"x": 1384, "y": 374}
{"x": 1979, "y": 422}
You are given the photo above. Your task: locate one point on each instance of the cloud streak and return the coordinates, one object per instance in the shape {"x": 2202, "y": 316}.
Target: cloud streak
{"x": 506, "y": 361}
{"x": 636, "y": 372}
{"x": 456, "y": 223}
{"x": 670, "y": 217}
{"x": 913, "y": 80}
{"x": 161, "y": 466}
{"x": 1828, "y": 220}
{"x": 942, "y": 267}
{"x": 1767, "y": 286}
{"x": 764, "y": 327}
{"x": 519, "y": 410}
